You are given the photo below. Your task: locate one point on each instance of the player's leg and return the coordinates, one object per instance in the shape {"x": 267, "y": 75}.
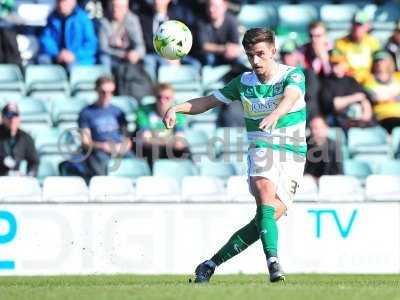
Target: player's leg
{"x": 268, "y": 206}
{"x": 238, "y": 242}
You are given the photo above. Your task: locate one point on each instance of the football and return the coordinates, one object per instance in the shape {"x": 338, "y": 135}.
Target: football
{"x": 172, "y": 40}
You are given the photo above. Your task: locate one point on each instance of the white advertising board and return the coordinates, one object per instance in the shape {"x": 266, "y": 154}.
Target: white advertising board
{"x": 46, "y": 239}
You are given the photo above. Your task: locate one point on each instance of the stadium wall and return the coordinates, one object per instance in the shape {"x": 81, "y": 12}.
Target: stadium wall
{"x": 143, "y": 238}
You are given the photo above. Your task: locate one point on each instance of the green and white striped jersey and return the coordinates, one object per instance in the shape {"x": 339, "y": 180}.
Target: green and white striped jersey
{"x": 260, "y": 99}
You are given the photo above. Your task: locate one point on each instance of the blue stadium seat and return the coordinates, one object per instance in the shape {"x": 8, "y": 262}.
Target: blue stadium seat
{"x": 54, "y": 140}
{"x": 11, "y": 78}
{"x": 48, "y": 166}
{"x": 177, "y": 168}
{"x": 395, "y": 141}
{"x": 389, "y": 167}
{"x": 296, "y": 17}
{"x": 182, "y": 77}
{"x": 46, "y": 78}
{"x": 258, "y": 15}
{"x": 219, "y": 169}
{"x": 183, "y": 96}
{"x": 66, "y": 110}
{"x": 212, "y": 77}
{"x": 356, "y": 168}
{"x": 33, "y": 111}
{"x": 231, "y": 140}
{"x": 128, "y": 167}
{"x": 338, "y": 16}
{"x": 6, "y": 96}
{"x": 197, "y": 140}
{"x": 374, "y": 160}
{"x": 367, "y": 140}
{"x": 84, "y": 77}
{"x": 386, "y": 16}
{"x": 128, "y": 105}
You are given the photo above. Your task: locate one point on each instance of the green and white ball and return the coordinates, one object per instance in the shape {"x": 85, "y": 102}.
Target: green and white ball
{"x": 172, "y": 40}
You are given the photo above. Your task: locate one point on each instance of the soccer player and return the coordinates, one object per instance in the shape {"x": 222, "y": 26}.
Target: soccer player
{"x": 272, "y": 96}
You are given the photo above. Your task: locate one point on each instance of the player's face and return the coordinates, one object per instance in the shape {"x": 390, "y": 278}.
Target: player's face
{"x": 261, "y": 57}
{"x": 165, "y": 97}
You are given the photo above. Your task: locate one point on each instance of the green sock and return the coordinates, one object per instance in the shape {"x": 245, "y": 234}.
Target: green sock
{"x": 268, "y": 229}
{"x": 238, "y": 242}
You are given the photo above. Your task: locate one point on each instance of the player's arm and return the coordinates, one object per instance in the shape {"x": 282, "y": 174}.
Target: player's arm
{"x": 290, "y": 96}
{"x": 191, "y": 107}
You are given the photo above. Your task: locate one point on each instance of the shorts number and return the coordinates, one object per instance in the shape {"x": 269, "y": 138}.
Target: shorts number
{"x": 293, "y": 186}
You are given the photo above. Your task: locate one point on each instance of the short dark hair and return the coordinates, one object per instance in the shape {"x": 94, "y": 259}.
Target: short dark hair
{"x": 258, "y": 35}
{"x": 102, "y": 80}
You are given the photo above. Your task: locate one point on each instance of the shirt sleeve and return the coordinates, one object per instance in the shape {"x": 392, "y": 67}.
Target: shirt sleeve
{"x": 229, "y": 93}
{"x": 142, "y": 121}
{"x": 83, "y": 120}
{"x": 295, "y": 79}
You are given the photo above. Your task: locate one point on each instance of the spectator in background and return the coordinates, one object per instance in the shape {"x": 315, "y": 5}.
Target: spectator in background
{"x": 289, "y": 54}
{"x": 15, "y": 144}
{"x": 315, "y": 54}
{"x": 153, "y": 139}
{"x": 69, "y": 37}
{"x": 103, "y": 128}
{"x": 122, "y": 49}
{"x": 359, "y": 46}
{"x": 342, "y": 98}
{"x": 384, "y": 88}
{"x": 393, "y": 46}
{"x": 323, "y": 156}
{"x": 120, "y": 36}
{"x": 219, "y": 35}
{"x": 151, "y": 19}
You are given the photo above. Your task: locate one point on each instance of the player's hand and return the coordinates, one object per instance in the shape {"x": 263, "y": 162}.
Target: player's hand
{"x": 170, "y": 118}
{"x": 269, "y": 122}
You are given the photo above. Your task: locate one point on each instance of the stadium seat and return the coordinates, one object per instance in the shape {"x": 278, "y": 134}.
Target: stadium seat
{"x": 157, "y": 189}
{"x": 46, "y": 77}
{"x": 11, "y": 78}
{"x": 54, "y": 140}
{"x": 177, "y": 168}
{"x": 33, "y": 111}
{"x": 19, "y": 189}
{"x": 66, "y": 110}
{"x": 231, "y": 140}
{"x": 296, "y": 16}
{"x": 127, "y": 104}
{"x": 219, "y": 169}
{"x": 128, "y": 167}
{"x": 386, "y": 16}
{"x": 395, "y": 142}
{"x": 197, "y": 141}
{"x": 239, "y": 163}
{"x": 65, "y": 189}
{"x": 373, "y": 160}
{"x": 111, "y": 189}
{"x": 84, "y": 77}
{"x": 48, "y": 166}
{"x": 89, "y": 96}
{"x": 258, "y": 15}
{"x": 237, "y": 189}
{"x": 383, "y": 188}
{"x": 350, "y": 188}
{"x": 389, "y": 167}
{"x": 356, "y": 168}
{"x": 338, "y": 16}
{"x": 382, "y": 35}
{"x": 7, "y": 96}
{"x": 367, "y": 140}
{"x": 182, "y": 77}
{"x": 212, "y": 78}
{"x": 307, "y": 190}
{"x": 183, "y": 96}
{"x": 203, "y": 189}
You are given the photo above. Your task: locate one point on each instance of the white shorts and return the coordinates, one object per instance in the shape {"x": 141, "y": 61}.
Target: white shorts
{"x": 284, "y": 169}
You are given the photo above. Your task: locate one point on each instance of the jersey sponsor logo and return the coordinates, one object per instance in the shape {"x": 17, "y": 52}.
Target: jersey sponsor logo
{"x": 263, "y": 107}
{"x": 278, "y": 88}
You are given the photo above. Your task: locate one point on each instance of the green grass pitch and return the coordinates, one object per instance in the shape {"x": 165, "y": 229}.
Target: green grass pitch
{"x": 229, "y": 287}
